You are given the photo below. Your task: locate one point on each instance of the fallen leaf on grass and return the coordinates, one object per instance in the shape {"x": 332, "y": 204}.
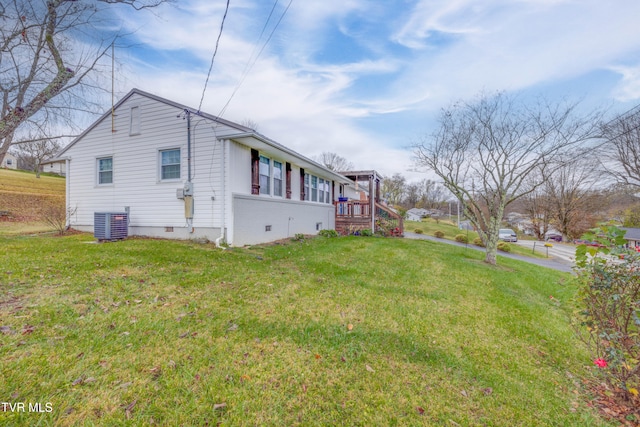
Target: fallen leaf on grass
{"x": 317, "y": 356}
{"x": 129, "y": 408}
{"x": 464, "y": 393}
{"x": 7, "y": 330}
{"x": 487, "y": 391}
{"x": 219, "y": 406}
{"x": 78, "y": 381}
{"x": 420, "y": 410}
{"x": 349, "y": 327}
{"x": 125, "y": 385}
{"x": 28, "y": 329}
{"x": 369, "y": 368}
{"x": 156, "y": 371}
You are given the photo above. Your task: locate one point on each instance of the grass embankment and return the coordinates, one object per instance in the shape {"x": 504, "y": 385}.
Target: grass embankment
{"x": 25, "y": 199}
{"x": 450, "y": 230}
{"x": 345, "y": 331}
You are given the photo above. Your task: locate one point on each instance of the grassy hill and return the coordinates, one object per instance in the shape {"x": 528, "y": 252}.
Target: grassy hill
{"x": 347, "y": 331}
{"x": 25, "y": 199}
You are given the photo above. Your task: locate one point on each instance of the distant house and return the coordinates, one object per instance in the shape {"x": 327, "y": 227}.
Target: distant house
{"x": 416, "y": 214}
{"x": 9, "y": 162}
{"x": 55, "y": 166}
{"x": 632, "y": 236}
{"x": 185, "y": 174}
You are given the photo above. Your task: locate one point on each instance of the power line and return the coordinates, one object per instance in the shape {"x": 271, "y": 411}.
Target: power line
{"x": 214, "y": 54}
{"x": 248, "y": 67}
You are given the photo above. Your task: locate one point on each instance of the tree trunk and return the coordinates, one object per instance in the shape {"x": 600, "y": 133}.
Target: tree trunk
{"x": 491, "y": 248}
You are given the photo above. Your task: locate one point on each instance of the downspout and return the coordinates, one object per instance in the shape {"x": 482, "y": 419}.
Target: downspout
{"x": 223, "y": 218}
{"x": 67, "y": 171}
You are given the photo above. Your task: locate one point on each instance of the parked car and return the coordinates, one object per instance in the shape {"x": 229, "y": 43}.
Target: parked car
{"x": 555, "y": 237}
{"x": 507, "y": 235}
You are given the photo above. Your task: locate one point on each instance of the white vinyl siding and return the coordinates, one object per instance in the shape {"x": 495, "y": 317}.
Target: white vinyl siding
{"x": 170, "y": 164}
{"x": 134, "y": 121}
{"x": 105, "y": 170}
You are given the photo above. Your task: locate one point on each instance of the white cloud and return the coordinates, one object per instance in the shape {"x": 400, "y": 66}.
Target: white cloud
{"x": 434, "y": 53}
{"x": 629, "y": 88}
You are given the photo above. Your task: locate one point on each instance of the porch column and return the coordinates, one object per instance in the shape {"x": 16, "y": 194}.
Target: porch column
{"x": 372, "y": 202}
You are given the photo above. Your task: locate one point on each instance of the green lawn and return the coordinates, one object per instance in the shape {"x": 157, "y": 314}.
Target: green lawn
{"x": 346, "y": 331}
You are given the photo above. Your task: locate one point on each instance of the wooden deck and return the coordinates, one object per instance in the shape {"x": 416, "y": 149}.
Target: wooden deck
{"x": 354, "y": 216}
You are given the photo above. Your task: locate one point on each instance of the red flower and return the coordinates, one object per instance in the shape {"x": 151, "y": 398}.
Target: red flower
{"x": 601, "y": 363}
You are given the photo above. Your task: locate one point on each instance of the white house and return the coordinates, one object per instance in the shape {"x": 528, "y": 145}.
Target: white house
{"x": 54, "y": 166}
{"x": 416, "y": 214}
{"x": 9, "y": 162}
{"x": 186, "y": 174}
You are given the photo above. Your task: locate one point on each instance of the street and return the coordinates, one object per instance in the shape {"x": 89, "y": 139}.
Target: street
{"x": 562, "y": 252}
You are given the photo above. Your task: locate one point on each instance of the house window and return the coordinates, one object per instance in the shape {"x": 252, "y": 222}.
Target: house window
{"x": 134, "y": 123}
{"x": 170, "y": 164}
{"x": 314, "y": 188}
{"x": 265, "y": 175}
{"x": 277, "y": 178}
{"x": 105, "y": 170}
{"x": 307, "y": 193}
{"x": 321, "y": 190}
{"x": 9, "y": 162}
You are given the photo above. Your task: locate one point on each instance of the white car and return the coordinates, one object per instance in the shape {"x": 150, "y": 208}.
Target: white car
{"x": 507, "y": 235}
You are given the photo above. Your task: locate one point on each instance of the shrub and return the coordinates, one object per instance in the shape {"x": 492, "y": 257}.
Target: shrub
{"x": 299, "y": 237}
{"x": 504, "y": 247}
{"x": 55, "y": 215}
{"x": 325, "y": 233}
{"x": 478, "y": 242}
{"x": 462, "y": 238}
{"x": 418, "y": 231}
{"x": 439, "y": 234}
{"x": 609, "y": 317}
{"x": 366, "y": 232}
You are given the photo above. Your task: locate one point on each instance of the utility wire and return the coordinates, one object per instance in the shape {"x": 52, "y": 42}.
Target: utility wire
{"x": 248, "y": 67}
{"x": 214, "y": 55}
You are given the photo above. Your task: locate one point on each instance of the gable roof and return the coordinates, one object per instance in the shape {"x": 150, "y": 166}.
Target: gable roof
{"x": 631, "y": 233}
{"x": 245, "y": 135}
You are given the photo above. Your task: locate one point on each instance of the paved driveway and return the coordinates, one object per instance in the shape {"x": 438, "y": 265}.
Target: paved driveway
{"x": 561, "y": 263}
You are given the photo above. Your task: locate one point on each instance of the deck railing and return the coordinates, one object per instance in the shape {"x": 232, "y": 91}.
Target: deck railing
{"x": 353, "y": 215}
{"x": 353, "y": 209}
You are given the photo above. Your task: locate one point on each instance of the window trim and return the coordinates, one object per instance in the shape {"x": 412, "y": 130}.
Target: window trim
{"x": 99, "y": 172}
{"x": 160, "y": 165}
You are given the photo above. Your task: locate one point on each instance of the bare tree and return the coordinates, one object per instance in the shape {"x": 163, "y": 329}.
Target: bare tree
{"x": 485, "y": 150}
{"x": 537, "y": 206}
{"x": 622, "y": 136}
{"x": 569, "y": 189}
{"x": 49, "y": 53}
{"x": 394, "y": 188}
{"x": 434, "y": 195}
{"x": 412, "y": 195}
{"x": 334, "y": 162}
{"x": 31, "y": 154}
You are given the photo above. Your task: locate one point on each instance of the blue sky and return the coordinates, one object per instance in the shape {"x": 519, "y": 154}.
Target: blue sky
{"x": 366, "y": 78}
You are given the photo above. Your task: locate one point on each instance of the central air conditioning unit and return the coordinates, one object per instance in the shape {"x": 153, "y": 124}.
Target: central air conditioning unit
{"x": 110, "y": 225}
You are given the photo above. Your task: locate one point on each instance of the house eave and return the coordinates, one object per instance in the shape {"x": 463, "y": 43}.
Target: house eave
{"x": 261, "y": 143}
